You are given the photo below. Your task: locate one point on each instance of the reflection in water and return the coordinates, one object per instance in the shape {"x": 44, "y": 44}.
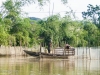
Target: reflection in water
{"x": 33, "y": 66}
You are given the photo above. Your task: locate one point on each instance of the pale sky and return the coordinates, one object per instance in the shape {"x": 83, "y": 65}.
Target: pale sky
{"x": 76, "y": 5}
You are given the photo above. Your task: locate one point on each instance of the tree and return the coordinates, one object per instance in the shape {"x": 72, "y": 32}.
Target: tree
{"x": 13, "y": 22}
{"x": 49, "y": 30}
{"x": 92, "y": 32}
{"x": 3, "y": 33}
{"x": 93, "y": 13}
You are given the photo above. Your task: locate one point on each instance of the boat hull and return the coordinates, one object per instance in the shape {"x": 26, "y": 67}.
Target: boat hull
{"x": 46, "y": 55}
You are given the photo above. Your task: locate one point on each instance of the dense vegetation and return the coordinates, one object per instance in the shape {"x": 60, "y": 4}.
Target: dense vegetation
{"x": 15, "y": 30}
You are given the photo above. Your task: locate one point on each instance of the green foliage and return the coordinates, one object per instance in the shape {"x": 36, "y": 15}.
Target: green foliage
{"x": 93, "y": 13}
{"x": 92, "y": 28}
{"x": 91, "y": 32}
{"x": 18, "y": 31}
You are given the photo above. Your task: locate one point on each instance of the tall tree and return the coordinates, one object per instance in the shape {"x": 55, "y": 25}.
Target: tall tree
{"x": 49, "y": 30}
{"x": 92, "y": 32}
{"x": 93, "y": 13}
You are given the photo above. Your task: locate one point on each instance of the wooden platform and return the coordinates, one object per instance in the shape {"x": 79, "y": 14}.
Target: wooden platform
{"x": 69, "y": 52}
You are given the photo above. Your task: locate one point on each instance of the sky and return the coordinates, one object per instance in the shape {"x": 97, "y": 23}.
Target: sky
{"x": 56, "y": 7}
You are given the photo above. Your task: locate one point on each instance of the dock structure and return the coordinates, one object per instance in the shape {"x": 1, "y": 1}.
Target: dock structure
{"x": 64, "y": 52}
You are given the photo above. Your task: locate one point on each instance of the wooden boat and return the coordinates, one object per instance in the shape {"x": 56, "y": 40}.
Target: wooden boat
{"x": 66, "y": 54}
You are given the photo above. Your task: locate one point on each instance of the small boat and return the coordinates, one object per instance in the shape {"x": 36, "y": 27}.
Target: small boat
{"x": 70, "y": 52}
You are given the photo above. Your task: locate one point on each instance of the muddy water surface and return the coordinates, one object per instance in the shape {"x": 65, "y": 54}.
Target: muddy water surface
{"x": 33, "y": 66}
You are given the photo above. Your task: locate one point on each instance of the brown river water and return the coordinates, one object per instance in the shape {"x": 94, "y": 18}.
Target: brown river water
{"x": 33, "y": 66}
{"x": 85, "y": 62}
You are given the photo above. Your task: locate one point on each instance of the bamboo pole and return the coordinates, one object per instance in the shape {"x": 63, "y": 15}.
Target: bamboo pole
{"x": 15, "y": 47}
{"x": 86, "y": 52}
{"x": 77, "y": 47}
{"x": 40, "y": 51}
{"x": 89, "y": 53}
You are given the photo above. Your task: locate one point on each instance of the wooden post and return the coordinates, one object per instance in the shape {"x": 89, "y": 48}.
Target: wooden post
{"x": 64, "y": 52}
{"x": 89, "y": 53}
{"x": 86, "y": 52}
{"x": 40, "y": 51}
{"x": 68, "y": 51}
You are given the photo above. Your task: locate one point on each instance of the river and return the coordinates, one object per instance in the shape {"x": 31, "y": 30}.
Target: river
{"x": 80, "y": 64}
{"x": 33, "y": 66}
